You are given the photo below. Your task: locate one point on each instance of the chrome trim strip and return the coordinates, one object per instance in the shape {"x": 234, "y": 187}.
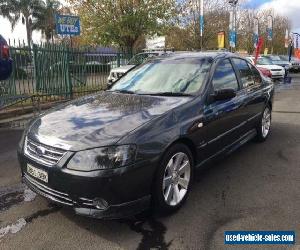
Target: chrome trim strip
{"x": 229, "y": 131}
{"x": 59, "y": 151}
{"x": 46, "y": 189}
{"x": 242, "y": 140}
{"x": 253, "y": 117}
{"x": 44, "y": 159}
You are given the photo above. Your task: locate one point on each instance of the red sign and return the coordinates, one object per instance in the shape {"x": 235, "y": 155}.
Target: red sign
{"x": 297, "y": 53}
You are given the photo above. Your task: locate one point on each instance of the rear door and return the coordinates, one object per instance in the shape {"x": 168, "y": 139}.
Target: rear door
{"x": 251, "y": 92}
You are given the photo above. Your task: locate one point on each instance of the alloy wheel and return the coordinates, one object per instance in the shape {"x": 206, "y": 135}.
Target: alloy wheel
{"x": 266, "y": 122}
{"x": 176, "y": 179}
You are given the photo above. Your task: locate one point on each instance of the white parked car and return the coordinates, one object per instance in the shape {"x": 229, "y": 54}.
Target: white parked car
{"x": 138, "y": 59}
{"x": 277, "y": 72}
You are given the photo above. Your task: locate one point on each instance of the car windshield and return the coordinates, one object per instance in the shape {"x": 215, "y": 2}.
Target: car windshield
{"x": 275, "y": 58}
{"x": 264, "y": 61}
{"x": 176, "y": 76}
{"x": 141, "y": 58}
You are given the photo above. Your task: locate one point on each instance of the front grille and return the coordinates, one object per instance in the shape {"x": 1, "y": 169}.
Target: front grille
{"x": 47, "y": 192}
{"x": 42, "y": 153}
{"x": 275, "y": 70}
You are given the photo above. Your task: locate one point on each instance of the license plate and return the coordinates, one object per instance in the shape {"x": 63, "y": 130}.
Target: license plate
{"x": 37, "y": 173}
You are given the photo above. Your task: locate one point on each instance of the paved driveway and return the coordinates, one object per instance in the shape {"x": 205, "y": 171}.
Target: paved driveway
{"x": 256, "y": 188}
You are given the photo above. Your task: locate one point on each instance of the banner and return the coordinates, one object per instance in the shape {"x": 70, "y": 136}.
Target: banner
{"x": 286, "y": 39}
{"x": 201, "y": 18}
{"x": 221, "y": 39}
{"x": 255, "y": 32}
{"x": 258, "y": 49}
{"x": 232, "y": 39}
{"x": 67, "y": 25}
{"x": 232, "y": 33}
{"x": 270, "y": 28}
{"x": 156, "y": 42}
{"x": 296, "y": 39}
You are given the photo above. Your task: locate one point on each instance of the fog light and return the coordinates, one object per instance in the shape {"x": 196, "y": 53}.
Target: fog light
{"x": 100, "y": 203}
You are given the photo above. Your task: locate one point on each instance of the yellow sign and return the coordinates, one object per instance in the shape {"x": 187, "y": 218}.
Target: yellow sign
{"x": 221, "y": 40}
{"x": 266, "y": 51}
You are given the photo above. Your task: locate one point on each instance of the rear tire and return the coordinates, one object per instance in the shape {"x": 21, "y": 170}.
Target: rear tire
{"x": 173, "y": 179}
{"x": 264, "y": 127}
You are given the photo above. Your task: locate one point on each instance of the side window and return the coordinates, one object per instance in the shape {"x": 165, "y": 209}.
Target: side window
{"x": 256, "y": 75}
{"x": 245, "y": 72}
{"x": 224, "y": 76}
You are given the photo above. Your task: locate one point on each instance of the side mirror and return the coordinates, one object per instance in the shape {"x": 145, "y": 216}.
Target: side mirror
{"x": 223, "y": 94}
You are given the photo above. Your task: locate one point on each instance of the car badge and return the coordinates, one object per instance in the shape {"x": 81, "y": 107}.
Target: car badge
{"x": 40, "y": 150}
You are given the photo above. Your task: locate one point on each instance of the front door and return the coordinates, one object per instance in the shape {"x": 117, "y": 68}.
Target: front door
{"x": 223, "y": 120}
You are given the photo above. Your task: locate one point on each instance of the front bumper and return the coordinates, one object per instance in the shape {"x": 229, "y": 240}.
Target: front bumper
{"x": 124, "y": 192}
{"x": 278, "y": 76}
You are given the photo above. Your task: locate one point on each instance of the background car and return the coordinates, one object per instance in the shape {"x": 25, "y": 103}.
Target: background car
{"x": 294, "y": 64}
{"x": 138, "y": 59}
{"x": 276, "y": 60}
{"x": 5, "y": 60}
{"x": 265, "y": 72}
{"x": 277, "y": 72}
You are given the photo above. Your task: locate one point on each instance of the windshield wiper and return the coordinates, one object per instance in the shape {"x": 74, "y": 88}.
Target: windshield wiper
{"x": 123, "y": 91}
{"x": 168, "y": 94}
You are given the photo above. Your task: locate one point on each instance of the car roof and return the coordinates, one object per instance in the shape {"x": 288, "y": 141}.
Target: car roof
{"x": 2, "y": 40}
{"x": 204, "y": 54}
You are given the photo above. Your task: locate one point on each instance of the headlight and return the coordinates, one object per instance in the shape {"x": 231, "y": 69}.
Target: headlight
{"x": 103, "y": 158}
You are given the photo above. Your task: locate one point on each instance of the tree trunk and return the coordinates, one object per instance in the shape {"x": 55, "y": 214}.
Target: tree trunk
{"x": 28, "y": 31}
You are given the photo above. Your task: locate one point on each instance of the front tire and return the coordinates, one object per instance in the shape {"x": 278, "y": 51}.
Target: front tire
{"x": 264, "y": 126}
{"x": 173, "y": 179}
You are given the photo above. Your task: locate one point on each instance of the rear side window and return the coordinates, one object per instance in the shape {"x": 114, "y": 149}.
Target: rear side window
{"x": 224, "y": 76}
{"x": 244, "y": 71}
{"x": 256, "y": 75}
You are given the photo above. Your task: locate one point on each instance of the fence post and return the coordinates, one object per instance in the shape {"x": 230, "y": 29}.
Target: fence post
{"x": 118, "y": 59}
{"x": 68, "y": 75}
{"x": 35, "y": 67}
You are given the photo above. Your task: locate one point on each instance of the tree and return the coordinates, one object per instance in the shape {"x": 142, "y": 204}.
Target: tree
{"x": 26, "y": 10}
{"x": 185, "y": 31}
{"x": 186, "y": 26}
{"x": 45, "y": 19}
{"x": 121, "y": 22}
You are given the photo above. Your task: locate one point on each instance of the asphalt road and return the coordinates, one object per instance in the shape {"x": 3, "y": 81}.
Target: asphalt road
{"x": 256, "y": 188}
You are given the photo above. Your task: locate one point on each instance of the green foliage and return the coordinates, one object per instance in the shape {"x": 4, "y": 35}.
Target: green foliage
{"x": 121, "y": 22}
{"x": 26, "y": 10}
{"x": 45, "y": 21}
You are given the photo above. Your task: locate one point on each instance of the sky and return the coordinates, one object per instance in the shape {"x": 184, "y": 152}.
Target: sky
{"x": 290, "y": 8}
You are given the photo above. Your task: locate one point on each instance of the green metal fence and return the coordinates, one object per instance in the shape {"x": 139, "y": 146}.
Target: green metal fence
{"x": 47, "y": 74}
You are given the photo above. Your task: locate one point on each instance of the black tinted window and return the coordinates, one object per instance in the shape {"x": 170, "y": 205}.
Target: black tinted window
{"x": 224, "y": 76}
{"x": 245, "y": 72}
